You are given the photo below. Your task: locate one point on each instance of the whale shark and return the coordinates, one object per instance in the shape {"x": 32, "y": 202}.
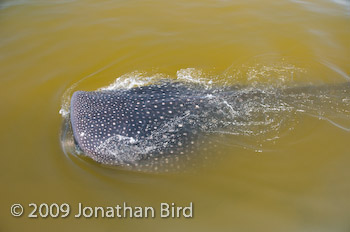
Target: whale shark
{"x": 125, "y": 126}
{"x": 170, "y": 119}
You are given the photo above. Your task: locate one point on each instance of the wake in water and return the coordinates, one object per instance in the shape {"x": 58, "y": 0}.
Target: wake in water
{"x": 163, "y": 123}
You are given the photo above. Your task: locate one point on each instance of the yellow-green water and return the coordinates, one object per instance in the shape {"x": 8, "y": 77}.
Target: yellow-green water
{"x": 300, "y": 183}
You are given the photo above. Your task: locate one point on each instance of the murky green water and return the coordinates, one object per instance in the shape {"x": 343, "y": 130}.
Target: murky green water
{"x": 294, "y": 178}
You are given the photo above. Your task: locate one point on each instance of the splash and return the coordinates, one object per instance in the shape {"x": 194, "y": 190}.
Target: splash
{"x": 134, "y": 79}
{"x": 254, "y": 105}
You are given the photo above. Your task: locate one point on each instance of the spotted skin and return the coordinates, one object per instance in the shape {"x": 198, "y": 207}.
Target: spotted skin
{"x": 126, "y": 126}
{"x": 154, "y": 126}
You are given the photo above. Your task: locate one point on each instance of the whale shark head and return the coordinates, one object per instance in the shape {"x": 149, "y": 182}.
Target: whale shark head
{"x": 126, "y": 126}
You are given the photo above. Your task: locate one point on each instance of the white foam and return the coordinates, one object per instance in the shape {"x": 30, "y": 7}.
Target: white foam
{"x": 64, "y": 112}
{"x": 190, "y": 75}
{"x": 193, "y": 75}
{"x": 133, "y": 79}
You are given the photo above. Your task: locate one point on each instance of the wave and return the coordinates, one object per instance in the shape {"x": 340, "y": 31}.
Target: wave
{"x": 258, "y": 109}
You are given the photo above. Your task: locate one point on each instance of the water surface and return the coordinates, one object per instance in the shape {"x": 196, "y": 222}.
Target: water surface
{"x": 294, "y": 178}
